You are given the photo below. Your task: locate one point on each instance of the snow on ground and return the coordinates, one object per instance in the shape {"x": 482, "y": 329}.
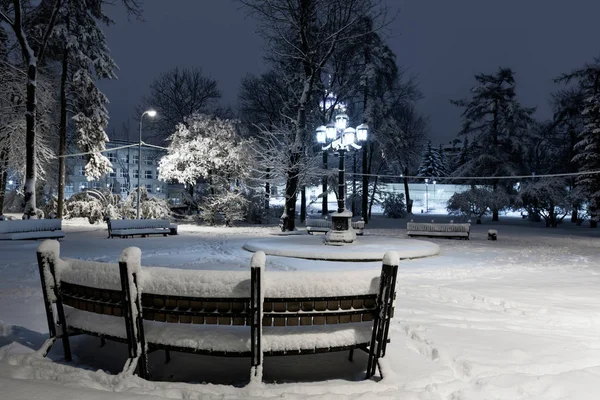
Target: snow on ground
{"x": 517, "y": 318}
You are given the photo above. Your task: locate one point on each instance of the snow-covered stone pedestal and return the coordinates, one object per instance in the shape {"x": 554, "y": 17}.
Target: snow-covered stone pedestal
{"x": 341, "y": 231}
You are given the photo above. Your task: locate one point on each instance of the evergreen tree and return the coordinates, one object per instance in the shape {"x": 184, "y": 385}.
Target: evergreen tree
{"x": 497, "y": 124}
{"x": 444, "y": 167}
{"x": 587, "y": 147}
{"x": 431, "y": 162}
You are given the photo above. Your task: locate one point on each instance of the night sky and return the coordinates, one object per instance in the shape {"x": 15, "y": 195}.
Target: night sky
{"x": 443, "y": 42}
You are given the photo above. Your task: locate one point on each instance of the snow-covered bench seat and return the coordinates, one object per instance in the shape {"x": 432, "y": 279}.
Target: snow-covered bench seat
{"x": 31, "y": 229}
{"x": 438, "y": 229}
{"x": 324, "y": 225}
{"x": 143, "y": 227}
{"x": 221, "y": 313}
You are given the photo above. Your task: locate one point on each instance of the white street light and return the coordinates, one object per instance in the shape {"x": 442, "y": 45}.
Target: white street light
{"x": 10, "y": 182}
{"x": 151, "y": 114}
{"x": 341, "y": 138}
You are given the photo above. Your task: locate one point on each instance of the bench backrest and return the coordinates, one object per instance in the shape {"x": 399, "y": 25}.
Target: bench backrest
{"x": 138, "y": 223}
{"x": 94, "y": 287}
{"x": 437, "y": 227}
{"x": 30, "y": 225}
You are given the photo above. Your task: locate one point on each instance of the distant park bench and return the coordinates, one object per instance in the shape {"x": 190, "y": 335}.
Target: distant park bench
{"x": 218, "y": 313}
{"x": 142, "y": 227}
{"x": 324, "y": 225}
{"x": 432, "y": 229}
{"x": 31, "y": 229}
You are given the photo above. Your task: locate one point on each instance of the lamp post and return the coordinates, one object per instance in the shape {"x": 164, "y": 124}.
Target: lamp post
{"x": 426, "y": 195}
{"x": 341, "y": 139}
{"x": 434, "y": 182}
{"x": 151, "y": 114}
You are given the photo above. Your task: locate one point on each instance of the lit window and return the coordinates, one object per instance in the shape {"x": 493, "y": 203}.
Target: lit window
{"x": 148, "y": 174}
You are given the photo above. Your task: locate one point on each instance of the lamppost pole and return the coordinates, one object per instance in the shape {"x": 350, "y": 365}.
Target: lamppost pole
{"x": 342, "y": 181}
{"x": 152, "y": 114}
{"x": 324, "y": 208}
{"x": 426, "y": 196}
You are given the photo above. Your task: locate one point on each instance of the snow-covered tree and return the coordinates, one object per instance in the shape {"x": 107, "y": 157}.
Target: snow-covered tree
{"x": 17, "y": 15}
{"x": 475, "y": 203}
{"x": 205, "y": 147}
{"x": 587, "y": 147}
{"x": 431, "y": 162}
{"x": 497, "y": 124}
{"x": 547, "y": 198}
{"x": 305, "y": 34}
{"x": 85, "y": 58}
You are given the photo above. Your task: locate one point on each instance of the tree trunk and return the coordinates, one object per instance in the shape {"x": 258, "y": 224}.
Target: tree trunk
{"x": 495, "y": 209}
{"x": 62, "y": 146}
{"x": 373, "y": 195}
{"x": 325, "y": 207}
{"x": 3, "y": 178}
{"x": 268, "y": 189}
{"x": 406, "y": 192}
{"x": 291, "y": 188}
{"x": 30, "y": 173}
{"x": 574, "y": 214}
{"x": 366, "y": 170}
{"x": 303, "y": 204}
{"x": 353, "y": 183}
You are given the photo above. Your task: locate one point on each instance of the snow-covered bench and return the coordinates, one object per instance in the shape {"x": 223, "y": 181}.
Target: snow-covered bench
{"x": 324, "y": 225}
{"x": 143, "y": 227}
{"x": 221, "y": 313}
{"x": 31, "y": 229}
{"x": 438, "y": 229}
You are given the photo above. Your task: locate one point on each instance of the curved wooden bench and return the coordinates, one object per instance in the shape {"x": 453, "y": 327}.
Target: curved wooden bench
{"x": 221, "y": 313}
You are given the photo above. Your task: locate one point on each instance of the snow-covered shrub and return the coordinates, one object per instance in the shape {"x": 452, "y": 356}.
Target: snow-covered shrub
{"x": 255, "y": 209}
{"x": 393, "y": 205}
{"x": 475, "y": 203}
{"x": 546, "y": 198}
{"x": 150, "y": 207}
{"x": 229, "y": 207}
{"x": 83, "y": 205}
{"x": 13, "y": 201}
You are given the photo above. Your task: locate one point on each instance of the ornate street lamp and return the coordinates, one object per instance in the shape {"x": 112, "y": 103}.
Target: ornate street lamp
{"x": 340, "y": 138}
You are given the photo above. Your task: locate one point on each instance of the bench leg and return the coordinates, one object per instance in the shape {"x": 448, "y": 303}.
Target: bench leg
{"x": 167, "y": 356}
{"x": 102, "y": 341}
{"x": 351, "y": 355}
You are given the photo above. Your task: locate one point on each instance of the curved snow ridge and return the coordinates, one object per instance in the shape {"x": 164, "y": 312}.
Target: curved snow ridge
{"x": 366, "y": 248}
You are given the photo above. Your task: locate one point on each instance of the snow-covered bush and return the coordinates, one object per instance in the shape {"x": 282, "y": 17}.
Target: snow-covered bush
{"x": 229, "y": 207}
{"x": 83, "y": 205}
{"x": 546, "y": 198}
{"x": 475, "y": 203}
{"x": 393, "y": 205}
{"x": 150, "y": 207}
{"x": 13, "y": 201}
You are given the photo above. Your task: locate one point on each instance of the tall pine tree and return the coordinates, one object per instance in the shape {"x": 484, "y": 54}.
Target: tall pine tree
{"x": 431, "y": 162}
{"x": 497, "y": 124}
{"x": 587, "y": 147}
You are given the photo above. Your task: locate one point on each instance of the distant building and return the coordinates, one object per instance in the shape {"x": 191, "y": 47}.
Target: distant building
{"x": 123, "y": 180}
